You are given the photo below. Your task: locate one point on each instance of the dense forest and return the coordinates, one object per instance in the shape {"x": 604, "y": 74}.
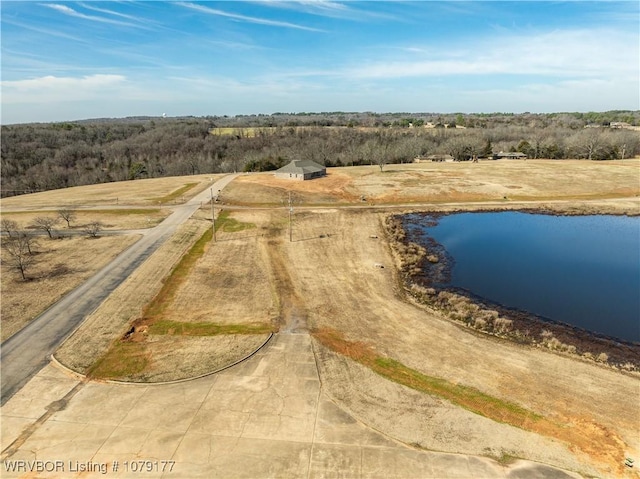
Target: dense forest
{"x": 44, "y": 156}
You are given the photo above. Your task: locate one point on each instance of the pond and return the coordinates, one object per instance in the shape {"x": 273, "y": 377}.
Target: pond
{"x": 579, "y": 270}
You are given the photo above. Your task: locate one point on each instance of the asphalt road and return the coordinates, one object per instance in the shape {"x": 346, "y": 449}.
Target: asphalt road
{"x": 26, "y": 352}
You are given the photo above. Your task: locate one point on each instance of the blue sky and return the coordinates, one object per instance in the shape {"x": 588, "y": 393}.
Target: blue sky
{"x": 73, "y": 60}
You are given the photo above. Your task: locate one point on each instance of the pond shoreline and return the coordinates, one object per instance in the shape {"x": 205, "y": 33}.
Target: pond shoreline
{"x": 425, "y": 267}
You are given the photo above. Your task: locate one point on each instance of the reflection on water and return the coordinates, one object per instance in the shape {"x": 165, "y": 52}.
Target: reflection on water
{"x": 580, "y": 270}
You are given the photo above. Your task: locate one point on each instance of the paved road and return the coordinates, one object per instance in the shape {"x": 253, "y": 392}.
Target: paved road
{"x": 25, "y": 353}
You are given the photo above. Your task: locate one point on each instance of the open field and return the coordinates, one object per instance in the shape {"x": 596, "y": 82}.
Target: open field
{"x": 584, "y": 415}
{"x": 111, "y": 219}
{"x": 148, "y": 192}
{"x": 501, "y": 181}
{"x": 60, "y": 266}
{"x": 63, "y": 264}
{"x": 200, "y": 320}
{"x": 375, "y": 350}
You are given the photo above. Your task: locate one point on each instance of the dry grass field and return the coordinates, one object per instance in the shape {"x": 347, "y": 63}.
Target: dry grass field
{"x": 111, "y": 219}
{"x": 60, "y": 266}
{"x": 147, "y": 192}
{"x": 574, "y": 414}
{"x": 427, "y": 183}
{"x": 197, "y": 304}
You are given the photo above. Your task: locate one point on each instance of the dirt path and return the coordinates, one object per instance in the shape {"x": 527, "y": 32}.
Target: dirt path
{"x": 293, "y": 314}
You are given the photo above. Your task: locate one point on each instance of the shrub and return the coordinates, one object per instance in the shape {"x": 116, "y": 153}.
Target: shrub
{"x": 93, "y": 228}
{"x": 502, "y": 325}
{"x": 480, "y": 323}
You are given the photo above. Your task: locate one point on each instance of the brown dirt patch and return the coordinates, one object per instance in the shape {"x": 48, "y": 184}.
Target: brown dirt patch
{"x": 169, "y": 358}
{"x": 230, "y": 272}
{"x": 265, "y": 188}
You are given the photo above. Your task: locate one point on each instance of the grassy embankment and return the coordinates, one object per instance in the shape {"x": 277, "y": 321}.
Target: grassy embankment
{"x": 128, "y": 356}
{"x": 464, "y": 396}
{"x": 593, "y": 441}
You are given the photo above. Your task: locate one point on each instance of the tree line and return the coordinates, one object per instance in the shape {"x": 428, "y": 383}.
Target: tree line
{"x": 45, "y": 156}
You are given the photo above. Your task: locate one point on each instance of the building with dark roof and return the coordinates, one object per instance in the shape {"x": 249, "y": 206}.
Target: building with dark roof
{"x": 511, "y": 155}
{"x": 301, "y": 170}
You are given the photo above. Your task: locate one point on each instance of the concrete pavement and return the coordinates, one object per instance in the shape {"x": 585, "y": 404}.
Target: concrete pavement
{"x": 266, "y": 417}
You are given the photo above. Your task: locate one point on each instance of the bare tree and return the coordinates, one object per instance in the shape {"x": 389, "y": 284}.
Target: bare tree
{"x": 10, "y": 227}
{"x": 538, "y": 139}
{"x": 377, "y": 149}
{"x": 68, "y": 215}
{"x": 29, "y": 241}
{"x": 93, "y": 228}
{"x": 627, "y": 143}
{"x": 18, "y": 254}
{"x": 588, "y": 143}
{"x": 458, "y": 146}
{"x": 45, "y": 223}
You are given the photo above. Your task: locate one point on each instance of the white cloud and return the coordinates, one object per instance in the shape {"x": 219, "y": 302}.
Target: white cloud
{"x": 568, "y": 95}
{"x": 247, "y": 19}
{"x": 141, "y": 23}
{"x": 572, "y": 53}
{"x": 329, "y": 9}
{"x": 45, "y": 31}
{"x": 110, "y": 12}
{"x": 51, "y": 88}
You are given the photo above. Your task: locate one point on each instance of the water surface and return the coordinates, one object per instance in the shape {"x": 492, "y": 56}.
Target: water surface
{"x": 580, "y": 270}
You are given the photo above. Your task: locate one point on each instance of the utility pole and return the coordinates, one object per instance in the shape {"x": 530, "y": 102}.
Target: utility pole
{"x": 213, "y": 217}
{"x": 290, "y": 213}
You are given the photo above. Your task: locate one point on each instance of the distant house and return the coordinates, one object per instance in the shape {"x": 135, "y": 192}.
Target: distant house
{"x": 509, "y": 155}
{"x": 301, "y": 170}
{"x": 619, "y": 124}
{"x": 438, "y": 158}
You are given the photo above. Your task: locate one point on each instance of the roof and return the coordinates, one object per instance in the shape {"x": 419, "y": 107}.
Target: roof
{"x": 301, "y": 167}
{"x": 440, "y": 157}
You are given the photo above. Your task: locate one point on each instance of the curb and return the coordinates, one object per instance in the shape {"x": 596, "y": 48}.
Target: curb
{"x": 58, "y": 364}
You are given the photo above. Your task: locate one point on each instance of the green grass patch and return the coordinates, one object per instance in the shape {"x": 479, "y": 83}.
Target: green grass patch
{"x": 467, "y": 397}
{"x": 179, "y": 328}
{"x": 505, "y": 459}
{"x": 231, "y": 225}
{"x": 174, "y": 194}
{"x": 124, "y": 359}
